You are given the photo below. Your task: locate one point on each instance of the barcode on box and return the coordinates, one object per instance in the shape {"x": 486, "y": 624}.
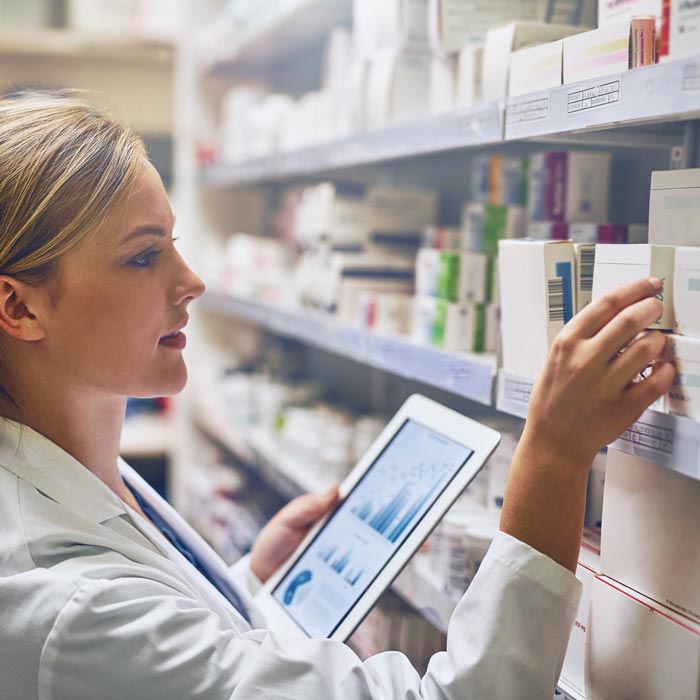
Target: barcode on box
{"x": 587, "y": 265}
{"x": 555, "y": 299}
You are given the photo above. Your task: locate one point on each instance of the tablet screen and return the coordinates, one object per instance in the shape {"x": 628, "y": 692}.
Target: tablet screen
{"x": 368, "y": 528}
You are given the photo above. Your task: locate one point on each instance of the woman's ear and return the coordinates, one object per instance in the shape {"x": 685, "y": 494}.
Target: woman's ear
{"x": 16, "y": 317}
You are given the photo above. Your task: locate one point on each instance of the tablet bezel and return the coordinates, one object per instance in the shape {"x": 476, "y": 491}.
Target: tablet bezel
{"x": 479, "y": 438}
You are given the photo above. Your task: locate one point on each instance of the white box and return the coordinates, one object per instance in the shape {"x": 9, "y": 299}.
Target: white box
{"x": 424, "y": 313}
{"x": 686, "y": 292}
{"x": 473, "y": 225}
{"x": 398, "y": 87}
{"x": 683, "y": 28}
{"x": 459, "y": 327}
{"x": 638, "y": 648}
{"x": 502, "y": 40}
{"x": 674, "y": 207}
{"x": 537, "y": 298}
{"x": 569, "y": 186}
{"x": 585, "y": 265}
{"x": 611, "y": 11}
{"x": 472, "y": 277}
{"x": 443, "y": 84}
{"x": 683, "y": 399}
{"x": 492, "y": 331}
{"x": 390, "y": 24}
{"x": 621, "y": 264}
{"x": 454, "y": 23}
{"x": 469, "y": 65}
{"x": 598, "y": 53}
{"x": 397, "y": 211}
{"x": 535, "y": 68}
{"x": 651, "y": 520}
{"x": 427, "y": 272}
{"x": 392, "y": 313}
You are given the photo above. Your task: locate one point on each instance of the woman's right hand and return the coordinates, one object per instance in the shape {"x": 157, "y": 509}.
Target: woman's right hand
{"x": 591, "y": 389}
{"x": 588, "y": 393}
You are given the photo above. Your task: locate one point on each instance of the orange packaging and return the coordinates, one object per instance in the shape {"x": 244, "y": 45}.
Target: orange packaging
{"x": 642, "y": 43}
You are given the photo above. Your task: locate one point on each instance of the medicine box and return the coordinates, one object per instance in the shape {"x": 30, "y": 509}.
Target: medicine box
{"x": 548, "y": 230}
{"x": 501, "y": 222}
{"x": 621, "y": 264}
{"x": 459, "y": 327}
{"x": 463, "y": 276}
{"x": 473, "y": 215}
{"x": 492, "y": 330}
{"x": 686, "y": 291}
{"x": 683, "y": 27}
{"x": 638, "y": 648}
{"x": 683, "y": 398}
{"x": 392, "y": 24}
{"x": 569, "y": 186}
{"x": 468, "y": 89}
{"x": 502, "y": 40}
{"x": 674, "y": 207}
{"x": 443, "y": 84}
{"x": 537, "y": 296}
{"x": 598, "y": 53}
{"x": 612, "y": 11}
{"x": 427, "y": 271}
{"x": 424, "y": 314}
{"x": 651, "y": 520}
{"x": 584, "y": 254}
{"x": 608, "y": 233}
{"x": 507, "y": 181}
{"x": 535, "y": 68}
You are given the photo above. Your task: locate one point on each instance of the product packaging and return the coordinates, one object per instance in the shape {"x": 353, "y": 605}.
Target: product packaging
{"x": 585, "y": 264}
{"x": 683, "y": 398}
{"x": 469, "y": 63}
{"x": 502, "y": 40}
{"x": 598, "y": 53}
{"x": 443, "y": 84}
{"x": 473, "y": 214}
{"x": 621, "y": 264}
{"x": 507, "y": 181}
{"x": 686, "y": 291}
{"x": 535, "y": 68}
{"x": 674, "y": 207}
{"x": 642, "y": 42}
{"x": 569, "y": 186}
{"x": 613, "y": 11}
{"x": 680, "y": 28}
{"x": 424, "y": 315}
{"x": 587, "y": 232}
{"x": 548, "y": 230}
{"x": 463, "y": 277}
{"x": 651, "y": 518}
{"x": 459, "y": 327}
{"x": 638, "y": 648}
{"x": 391, "y": 24}
{"x": 537, "y": 296}
{"x": 501, "y": 223}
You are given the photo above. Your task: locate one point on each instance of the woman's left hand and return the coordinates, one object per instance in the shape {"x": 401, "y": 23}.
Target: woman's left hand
{"x": 282, "y": 535}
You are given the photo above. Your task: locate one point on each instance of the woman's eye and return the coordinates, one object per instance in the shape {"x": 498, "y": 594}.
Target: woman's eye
{"x": 145, "y": 259}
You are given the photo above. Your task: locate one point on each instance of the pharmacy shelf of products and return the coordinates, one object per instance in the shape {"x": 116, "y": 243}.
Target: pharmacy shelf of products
{"x": 664, "y": 92}
{"x": 272, "y": 32}
{"x": 418, "y": 584}
{"x": 467, "y": 375}
{"x": 79, "y": 45}
{"x": 668, "y": 440}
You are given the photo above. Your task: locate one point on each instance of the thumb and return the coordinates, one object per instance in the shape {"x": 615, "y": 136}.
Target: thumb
{"x": 306, "y": 510}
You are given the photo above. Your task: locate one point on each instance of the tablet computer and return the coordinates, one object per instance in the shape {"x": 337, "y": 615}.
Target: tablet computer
{"x": 390, "y": 502}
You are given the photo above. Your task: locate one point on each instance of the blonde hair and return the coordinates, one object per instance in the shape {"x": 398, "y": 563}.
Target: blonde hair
{"x": 63, "y": 164}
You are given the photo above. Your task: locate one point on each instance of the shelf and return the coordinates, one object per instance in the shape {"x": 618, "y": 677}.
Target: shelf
{"x": 469, "y": 127}
{"x": 146, "y": 435}
{"x": 69, "y": 44}
{"x": 466, "y": 375}
{"x": 668, "y": 91}
{"x": 278, "y": 31}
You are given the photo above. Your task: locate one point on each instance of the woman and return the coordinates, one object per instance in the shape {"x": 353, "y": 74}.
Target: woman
{"x": 101, "y": 595}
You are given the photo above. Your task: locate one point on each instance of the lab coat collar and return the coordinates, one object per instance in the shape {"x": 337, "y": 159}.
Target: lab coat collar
{"x": 54, "y": 472}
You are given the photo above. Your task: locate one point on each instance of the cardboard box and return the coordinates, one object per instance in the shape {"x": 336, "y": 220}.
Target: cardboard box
{"x": 427, "y": 271}
{"x": 686, "y": 292}
{"x": 683, "y": 399}
{"x": 492, "y": 332}
{"x": 682, "y": 23}
{"x": 612, "y": 11}
{"x": 535, "y": 68}
{"x": 648, "y": 542}
{"x": 463, "y": 277}
{"x": 469, "y": 65}
{"x": 608, "y": 233}
{"x": 638, "y": 648}
{"x": 459, "y": 327}
{"x": 455, "y": 23}
{"x": 548, "y": 230}
{"x": 507, "y": 183}
{"x": 473, "y": 214}
{"x": 584, "y": 254}
{"x": 390, "y": 24}
{"x": 537, "y": 297}
{"x": 597, "y": 53}
{"x": 391, "y": 314}
{"x": 443, "y": 84}
{"x": 398, "y": 87}
{"x": 569, "y": 186}
{"x": 502, "y": 223}
{"x": 424, "y": 314}
{"x": 674, "y": 207}
{"x": 502, "y": 40}
{"x": 621, "y": 264}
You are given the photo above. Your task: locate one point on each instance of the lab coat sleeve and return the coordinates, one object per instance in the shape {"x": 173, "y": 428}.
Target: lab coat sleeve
{"x": 140, "y": 639}
{"x": 243, "y": 576}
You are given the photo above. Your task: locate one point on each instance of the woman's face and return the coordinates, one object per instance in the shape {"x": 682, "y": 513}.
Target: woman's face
{"x": 121, "y": 292}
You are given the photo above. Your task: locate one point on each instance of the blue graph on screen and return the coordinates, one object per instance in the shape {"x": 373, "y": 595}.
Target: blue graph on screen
{"x": 341, "y": 564}
{"x": 395, "y": 513}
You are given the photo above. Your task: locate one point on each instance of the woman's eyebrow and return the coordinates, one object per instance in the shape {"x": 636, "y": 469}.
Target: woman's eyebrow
{"x": 147, "y": 230}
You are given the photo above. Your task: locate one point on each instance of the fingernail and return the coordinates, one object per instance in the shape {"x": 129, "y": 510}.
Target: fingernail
{"x": 656, "y": 282}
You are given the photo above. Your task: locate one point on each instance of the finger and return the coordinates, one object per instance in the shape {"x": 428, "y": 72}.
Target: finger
{"x": 637, "y": 357}
{"x": 622, "y": 329}
{"x": 306, "y": 510}
{"x": 589, "y": 321}
{"x": 642, "y": 394}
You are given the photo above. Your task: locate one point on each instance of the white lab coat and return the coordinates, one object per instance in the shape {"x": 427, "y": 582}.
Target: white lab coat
{"x": 95, "y": 604}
